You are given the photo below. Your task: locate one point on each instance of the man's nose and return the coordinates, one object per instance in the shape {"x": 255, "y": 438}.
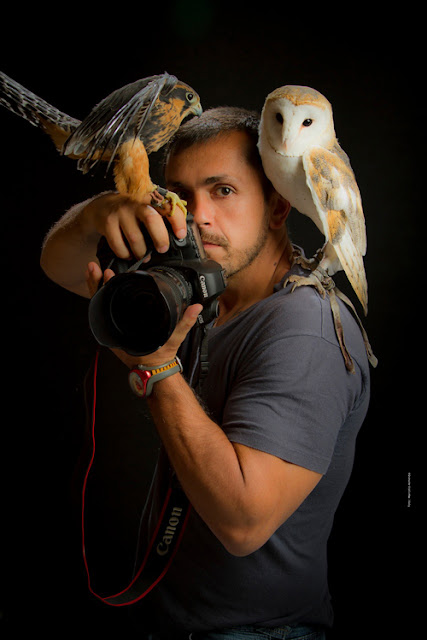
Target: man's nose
{"x": 201, "y": 209}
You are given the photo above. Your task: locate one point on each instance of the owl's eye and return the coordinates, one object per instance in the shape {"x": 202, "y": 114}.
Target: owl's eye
{"x": 190, "y": 97}
{"x": 307, "y": 122}
{"x": 279, "y": 118}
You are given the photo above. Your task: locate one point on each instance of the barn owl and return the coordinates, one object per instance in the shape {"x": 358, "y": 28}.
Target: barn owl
{"x": 306, "y": 165}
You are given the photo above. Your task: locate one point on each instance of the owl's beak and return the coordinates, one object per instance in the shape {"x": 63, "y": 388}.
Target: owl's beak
{"x": 287, "y": 140}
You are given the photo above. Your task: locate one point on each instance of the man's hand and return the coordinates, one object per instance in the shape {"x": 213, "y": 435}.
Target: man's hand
{"x": 168, "y": 351}
{"x": 119, "y": 219}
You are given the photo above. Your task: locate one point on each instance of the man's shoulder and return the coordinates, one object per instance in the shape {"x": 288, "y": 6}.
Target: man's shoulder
{"x": 304, "y": 316}
{"x": 305, "y": 313}
{"x": 299, "y": 310}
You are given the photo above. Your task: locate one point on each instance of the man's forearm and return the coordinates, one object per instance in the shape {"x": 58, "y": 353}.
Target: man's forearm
{"x": 68, "y": 247}
{"x": 203, "y": 458}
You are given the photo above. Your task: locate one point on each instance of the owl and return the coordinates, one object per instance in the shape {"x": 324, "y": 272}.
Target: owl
{"x": 306, "y": 165}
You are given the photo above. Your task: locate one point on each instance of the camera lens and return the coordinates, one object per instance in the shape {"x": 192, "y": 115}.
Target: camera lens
{"x": 137, "y": 311}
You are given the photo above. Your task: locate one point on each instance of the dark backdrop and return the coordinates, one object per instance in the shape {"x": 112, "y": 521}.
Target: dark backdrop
{"x": 230, "y": 55}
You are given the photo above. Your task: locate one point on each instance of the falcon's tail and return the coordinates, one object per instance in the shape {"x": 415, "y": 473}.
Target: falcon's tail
{"x": 38, "y": 112}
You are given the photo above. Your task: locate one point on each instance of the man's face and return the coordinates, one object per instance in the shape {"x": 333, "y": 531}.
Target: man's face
{"x": 224, "y": 193}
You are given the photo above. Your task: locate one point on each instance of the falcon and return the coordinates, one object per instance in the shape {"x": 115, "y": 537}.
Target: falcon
{"x": 303, "y": 160}
{"x": 122, "y": 129}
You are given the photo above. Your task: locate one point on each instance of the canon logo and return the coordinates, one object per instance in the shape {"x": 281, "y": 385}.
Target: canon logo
{"x": 203, "y": 285}
{"x": 169, "y": 533}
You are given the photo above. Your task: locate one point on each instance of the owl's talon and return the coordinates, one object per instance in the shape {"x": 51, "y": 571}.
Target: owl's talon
{"x": 307, "y": 263}
{"x": 322, "y": 284}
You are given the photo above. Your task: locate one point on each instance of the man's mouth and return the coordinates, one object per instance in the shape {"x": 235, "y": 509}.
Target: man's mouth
{"x": 212, "y": 242}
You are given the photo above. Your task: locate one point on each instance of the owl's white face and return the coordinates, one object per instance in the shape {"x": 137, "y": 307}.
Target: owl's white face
{"x": 291, "y": 129}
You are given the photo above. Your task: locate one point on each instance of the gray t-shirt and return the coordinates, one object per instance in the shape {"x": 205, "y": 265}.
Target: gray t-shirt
{"x": 277, "y": 383}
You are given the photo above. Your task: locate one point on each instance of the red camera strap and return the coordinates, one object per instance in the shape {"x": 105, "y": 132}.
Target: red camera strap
{"x": 164, "y": 542}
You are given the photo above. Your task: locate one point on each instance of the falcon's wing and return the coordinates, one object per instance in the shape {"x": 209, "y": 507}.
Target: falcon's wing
{"x": 117, "y": 117}
{"x": 38, "y": 112}
{"x": 337, "y": 198}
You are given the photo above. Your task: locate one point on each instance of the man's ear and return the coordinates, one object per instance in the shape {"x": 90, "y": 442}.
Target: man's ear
{"x": 279, "y": 211}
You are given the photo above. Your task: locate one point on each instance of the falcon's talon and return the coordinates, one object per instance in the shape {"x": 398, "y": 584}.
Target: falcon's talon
{"x": 156, "y": 198}
{"x": 174, "y": 201}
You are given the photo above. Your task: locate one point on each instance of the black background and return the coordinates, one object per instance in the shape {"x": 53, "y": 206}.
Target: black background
{"x": 369, "y": 70}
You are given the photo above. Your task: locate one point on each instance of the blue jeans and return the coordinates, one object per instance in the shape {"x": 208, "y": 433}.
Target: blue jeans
{"x": 300, "y": 632}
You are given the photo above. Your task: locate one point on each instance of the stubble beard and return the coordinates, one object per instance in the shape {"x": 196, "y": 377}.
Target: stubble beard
{"x": 236, "y": 260}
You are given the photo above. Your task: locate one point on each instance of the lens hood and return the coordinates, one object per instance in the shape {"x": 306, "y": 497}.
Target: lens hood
{"x": 138, "y": 310}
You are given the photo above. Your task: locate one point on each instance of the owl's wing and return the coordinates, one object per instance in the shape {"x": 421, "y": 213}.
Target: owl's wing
{"x": 117, "y": 117}
{"x": 336, "y": 196}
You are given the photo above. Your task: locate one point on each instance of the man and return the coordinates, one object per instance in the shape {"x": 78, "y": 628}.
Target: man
{"x": 266, "y": 454}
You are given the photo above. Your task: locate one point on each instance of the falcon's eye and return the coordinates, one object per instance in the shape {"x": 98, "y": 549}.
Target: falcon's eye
{"x": 279, "y": 118}
{"x": 307, "y": 122}
{"x": 190, "y": 97}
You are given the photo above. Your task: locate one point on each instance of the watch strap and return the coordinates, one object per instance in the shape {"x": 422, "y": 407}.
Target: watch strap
{"x": 142, "y": 379}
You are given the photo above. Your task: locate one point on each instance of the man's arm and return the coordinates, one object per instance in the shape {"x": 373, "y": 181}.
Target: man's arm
{"x": 72, "y": 242}
{"x": 242, "y": 494}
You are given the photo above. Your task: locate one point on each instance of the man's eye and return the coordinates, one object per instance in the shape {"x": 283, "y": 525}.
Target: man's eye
{"x": 224, "y": 191}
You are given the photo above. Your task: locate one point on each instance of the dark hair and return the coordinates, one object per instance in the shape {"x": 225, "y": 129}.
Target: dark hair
{"x": 216, "y": 122}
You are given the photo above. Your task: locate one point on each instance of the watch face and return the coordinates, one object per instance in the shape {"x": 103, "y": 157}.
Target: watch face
{"x": 138, "y": 381}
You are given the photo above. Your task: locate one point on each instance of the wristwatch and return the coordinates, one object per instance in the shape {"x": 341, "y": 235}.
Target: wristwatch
{"x": 142, "y": 380}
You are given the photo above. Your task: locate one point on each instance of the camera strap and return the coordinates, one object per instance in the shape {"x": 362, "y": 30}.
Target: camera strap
{"x": 164, "y": 541}
{"x": 156, "y": 559}
{"x": 203, "y": 360}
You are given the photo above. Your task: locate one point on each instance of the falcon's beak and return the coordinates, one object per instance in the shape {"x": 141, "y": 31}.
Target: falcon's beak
{"x": 197, "y": 109}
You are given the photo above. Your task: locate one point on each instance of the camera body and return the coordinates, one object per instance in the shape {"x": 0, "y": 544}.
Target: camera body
{"x": 138, "y": 309}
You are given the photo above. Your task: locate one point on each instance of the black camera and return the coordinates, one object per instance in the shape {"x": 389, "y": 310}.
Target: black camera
{"x": 137, "y": 310}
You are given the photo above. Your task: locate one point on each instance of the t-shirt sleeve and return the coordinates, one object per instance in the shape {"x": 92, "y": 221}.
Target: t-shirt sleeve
{"x": 290, "y": 398}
